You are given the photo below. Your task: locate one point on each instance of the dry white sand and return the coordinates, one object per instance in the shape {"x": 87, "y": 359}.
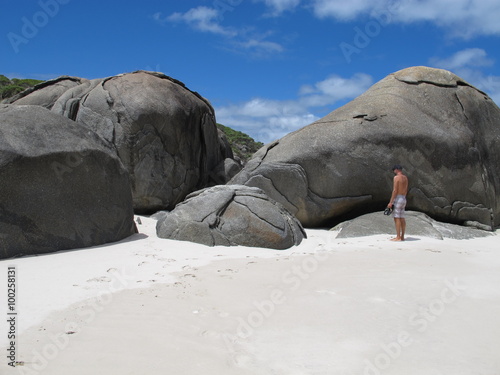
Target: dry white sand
{"x": 329, "y": 306}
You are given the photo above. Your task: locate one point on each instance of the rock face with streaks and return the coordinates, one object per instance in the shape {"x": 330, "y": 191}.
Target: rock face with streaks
{"x": 445, "y": 132}
{"x": 231, "y": 215}
{"x": 164, "y": 133}
{"x": 61, "y": 187}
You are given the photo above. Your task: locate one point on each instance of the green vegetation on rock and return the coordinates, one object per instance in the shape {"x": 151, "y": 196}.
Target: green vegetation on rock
{"x": 11, "y": 87}
{"x": 242, "y": 144}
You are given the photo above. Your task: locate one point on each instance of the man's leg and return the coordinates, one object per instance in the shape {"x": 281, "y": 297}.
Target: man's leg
{"x": 403, "y": 228}
{"x": 397, "y": 222}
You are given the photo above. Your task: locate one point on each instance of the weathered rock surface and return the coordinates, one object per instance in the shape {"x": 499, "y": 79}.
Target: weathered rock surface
{"x": 418, "y": 224}
{"x": 231, "y": 215}
{"x": 165, "y": 134}
{"x": 46, "y": 93}
{"x": 60, "y": 185}
{"x": 444, "y": 131}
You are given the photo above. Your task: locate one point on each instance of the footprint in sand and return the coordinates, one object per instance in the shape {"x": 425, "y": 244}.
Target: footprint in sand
{"x": 226, "y": 275}
{"x": 433, "y": 250}
{"x": 102, "y": 279}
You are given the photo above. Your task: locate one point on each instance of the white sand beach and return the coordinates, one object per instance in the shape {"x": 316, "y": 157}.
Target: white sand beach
{"x": 328, "y": 306}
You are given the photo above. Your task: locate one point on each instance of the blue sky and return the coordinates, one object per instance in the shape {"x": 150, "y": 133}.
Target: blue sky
{"x": 268, "y": 67}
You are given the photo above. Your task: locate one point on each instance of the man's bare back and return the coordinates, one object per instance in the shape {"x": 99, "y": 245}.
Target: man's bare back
{"x": 400, "y": 185}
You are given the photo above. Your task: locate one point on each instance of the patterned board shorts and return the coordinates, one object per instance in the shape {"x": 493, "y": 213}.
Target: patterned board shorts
{"x": 399, "y": 207}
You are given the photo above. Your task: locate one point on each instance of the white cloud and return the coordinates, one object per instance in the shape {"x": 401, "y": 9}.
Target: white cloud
{"x": 202, "y": 18}
{"x": 466, "y": 57}
{"x": 335, "y": 88}
{"x": 462, "y": 18}
{"x": 279, "y": 6}
{"x": 268, "y": 108}
{"x": 260, "y": 46}
{"x": 341, "y": 9}
{"x": 267, "y": 120}
{"x": 206, "y": 19}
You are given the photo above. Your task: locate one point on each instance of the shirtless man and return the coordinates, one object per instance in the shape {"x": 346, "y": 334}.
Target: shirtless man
{"x": 398, "y": 199}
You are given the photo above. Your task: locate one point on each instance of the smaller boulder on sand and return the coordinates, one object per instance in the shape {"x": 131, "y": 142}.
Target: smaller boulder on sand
{"x": 231, "y": 215}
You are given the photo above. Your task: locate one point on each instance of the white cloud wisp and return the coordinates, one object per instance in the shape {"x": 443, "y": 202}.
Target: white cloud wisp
{"x": 202, "y": 18}
{"x": 208, "y": 20}
{"x": 461, "y": 18}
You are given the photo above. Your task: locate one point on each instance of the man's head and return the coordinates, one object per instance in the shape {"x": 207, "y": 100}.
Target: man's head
{"x": 397, "y": 167}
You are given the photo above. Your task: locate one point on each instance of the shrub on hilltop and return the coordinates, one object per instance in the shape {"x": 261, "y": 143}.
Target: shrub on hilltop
{"x": 11, "y": 87}
{"x": 242, "y": 144}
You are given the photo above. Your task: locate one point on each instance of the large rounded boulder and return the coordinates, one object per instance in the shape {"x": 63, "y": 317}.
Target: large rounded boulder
{"x": 231, "y": 215}
{"x": 445, "y": 132}
{"x": 61, "y": 187}
{"x": 164, "y": 134}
